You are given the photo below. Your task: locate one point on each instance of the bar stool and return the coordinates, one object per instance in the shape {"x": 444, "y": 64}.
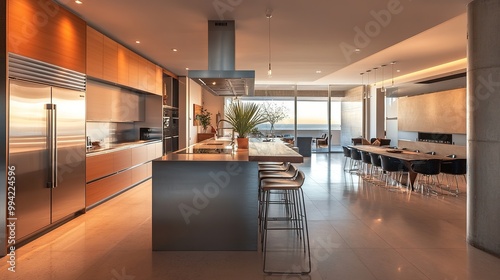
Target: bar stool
{"x": 455, "y": 168}
{"x": 290, "y": 173}
{"x": 295, "y": 220}
{"x": 429, "y": 169}
{"x": 282, "y": 166}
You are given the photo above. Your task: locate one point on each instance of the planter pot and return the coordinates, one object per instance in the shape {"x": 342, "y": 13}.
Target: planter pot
{"x": 242, "y": 143}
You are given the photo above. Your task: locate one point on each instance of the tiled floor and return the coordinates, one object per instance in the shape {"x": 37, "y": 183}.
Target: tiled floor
{"x": 358, "y": 231}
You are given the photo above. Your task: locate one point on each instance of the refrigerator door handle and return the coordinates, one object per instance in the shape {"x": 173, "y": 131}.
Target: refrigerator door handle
{"x": 52, "y": 144}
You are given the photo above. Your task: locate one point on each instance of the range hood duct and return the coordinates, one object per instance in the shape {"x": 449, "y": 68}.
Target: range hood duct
{"x": 221, "y": 78}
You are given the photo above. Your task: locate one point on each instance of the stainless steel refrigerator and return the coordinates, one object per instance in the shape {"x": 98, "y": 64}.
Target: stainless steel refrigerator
{"x": 47, "y": 147}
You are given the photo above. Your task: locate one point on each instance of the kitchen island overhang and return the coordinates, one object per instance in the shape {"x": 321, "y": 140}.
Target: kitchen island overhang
{"x": 209, "y": 202}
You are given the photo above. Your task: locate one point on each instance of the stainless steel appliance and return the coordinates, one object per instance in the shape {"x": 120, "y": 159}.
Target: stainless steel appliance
{"x": 170, "y": 129}
{"x": 150, "y": 133}
{"x": 46, "y": 143}
{"x": 221, "y": 78}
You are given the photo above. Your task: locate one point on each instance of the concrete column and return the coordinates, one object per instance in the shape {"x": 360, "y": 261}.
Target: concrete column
{"x": 483, "y": 125}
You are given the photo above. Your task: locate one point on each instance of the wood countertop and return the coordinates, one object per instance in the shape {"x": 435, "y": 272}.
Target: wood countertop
{"x": 399, "y": 154}
{"x": 258, "y": 151}
{"x": 273, "y": 151}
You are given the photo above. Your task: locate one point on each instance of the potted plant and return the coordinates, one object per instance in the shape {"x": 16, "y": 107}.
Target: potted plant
{"x": 243, "y": 117}
{"x": 204, "y": 117}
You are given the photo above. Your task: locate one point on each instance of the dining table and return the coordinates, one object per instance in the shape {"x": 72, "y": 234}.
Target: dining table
{"x": 406, "y": 156}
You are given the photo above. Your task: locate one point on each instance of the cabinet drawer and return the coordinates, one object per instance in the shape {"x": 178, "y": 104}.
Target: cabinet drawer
{"x": 99, "y": 166}
{"x": 122, "y": 160}
{"x": 141, "y": 173}
{"x": 139, "y": 155}
{"x": 104, "y": 188}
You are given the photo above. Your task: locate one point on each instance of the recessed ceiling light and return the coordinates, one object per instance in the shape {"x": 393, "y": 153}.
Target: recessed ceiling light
{"x": 214, "y": 83}
{"x": 137, "y": 42}
{"x": 187, "y": 68}
{"x": 174, "y": 50}
{"x": 398, "y": 70}
{"x": 78, "y": 2}
{"x": 318, "y": 71}
{"x": 357, "y": 50}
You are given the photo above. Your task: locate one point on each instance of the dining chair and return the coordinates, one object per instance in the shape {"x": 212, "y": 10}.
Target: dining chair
{"x": 454, "y": 168}
{"x": 429, "y": 169}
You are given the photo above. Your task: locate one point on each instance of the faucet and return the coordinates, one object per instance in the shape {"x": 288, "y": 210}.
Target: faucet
{"x": 217, "y": 128}
{"x": 232, "y": 132}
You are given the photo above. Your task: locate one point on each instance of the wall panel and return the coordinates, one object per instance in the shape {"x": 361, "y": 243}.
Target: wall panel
{"x": 439, "y": 112}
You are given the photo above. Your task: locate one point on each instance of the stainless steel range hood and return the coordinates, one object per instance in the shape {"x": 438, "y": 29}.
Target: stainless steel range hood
{"x": 221, "y": 78}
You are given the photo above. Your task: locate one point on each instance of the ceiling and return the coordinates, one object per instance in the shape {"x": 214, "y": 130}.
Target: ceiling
{"x": 305, "y": 36}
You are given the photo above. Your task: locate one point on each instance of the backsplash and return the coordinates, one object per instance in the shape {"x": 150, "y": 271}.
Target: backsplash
{"x": 110, "y": 132}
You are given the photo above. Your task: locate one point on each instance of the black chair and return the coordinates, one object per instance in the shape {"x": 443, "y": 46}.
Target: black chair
{"x": 455, "y": 168}
{"x": 376, "y": 165}
{"x": 356, "y": 160}
{"x": 394, "y": 168}
{"x": 429, "y": 169}
{"x": 385, "y": 142}
{"x": 366, "y": 163}
{"x": 347, "y": 155}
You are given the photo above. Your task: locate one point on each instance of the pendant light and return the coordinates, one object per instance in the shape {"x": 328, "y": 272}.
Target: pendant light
{"x": 269, "y": 16}
{"x": 383, "y": 88}
{"x": 392, "y": 66}
{"x": 363, "y": 84}
{"x": 368, "y": 84}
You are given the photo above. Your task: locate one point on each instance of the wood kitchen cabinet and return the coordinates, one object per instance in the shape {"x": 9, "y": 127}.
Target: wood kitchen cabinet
{"x": 95, "y": 53}
{"x": 113, "y": 172}
{"x": 158, "y": 81}
{"x": 38, "y": 30}
{"x": 109, "y": 103}
{"x": 112, "y": 62}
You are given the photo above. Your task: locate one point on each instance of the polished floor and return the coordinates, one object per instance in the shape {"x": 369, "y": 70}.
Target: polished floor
{"x": 358, "y": 231}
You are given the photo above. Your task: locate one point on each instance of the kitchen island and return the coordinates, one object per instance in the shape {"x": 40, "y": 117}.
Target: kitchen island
{"x": 205, "y": 196}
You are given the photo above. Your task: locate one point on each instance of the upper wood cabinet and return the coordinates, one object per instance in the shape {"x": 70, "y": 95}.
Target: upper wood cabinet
{"x": 95, "y": 53}
{"x": 159, "y": 81}
{"x": 45, "y": 31}
{"x": 109, "y": 61}
{"x": 110, "y": 103}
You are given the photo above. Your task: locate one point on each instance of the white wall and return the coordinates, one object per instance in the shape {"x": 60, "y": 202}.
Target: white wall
{"x": 213, "y": 104}
{"x": 195, "y": 97}
{"x": 391, "y": 113}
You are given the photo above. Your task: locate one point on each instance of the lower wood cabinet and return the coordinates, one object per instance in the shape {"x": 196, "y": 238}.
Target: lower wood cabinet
{"x": 106, "y": 187}
{"x": 110, "y": 173}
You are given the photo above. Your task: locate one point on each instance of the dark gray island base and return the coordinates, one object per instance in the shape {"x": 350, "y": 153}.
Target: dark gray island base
{"x": 204, "y": 206}
{"x": 204, "y": 201}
